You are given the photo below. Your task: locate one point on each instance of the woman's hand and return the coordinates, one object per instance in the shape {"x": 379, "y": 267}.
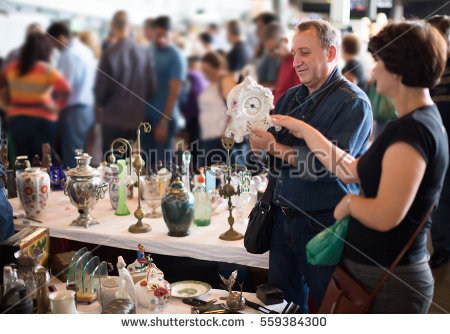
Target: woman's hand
{"x": 342, "y": 210}
{"x": 294, "y": 126}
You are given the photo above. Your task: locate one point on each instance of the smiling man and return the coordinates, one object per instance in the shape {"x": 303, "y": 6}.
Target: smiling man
{"x": 343, "y": 114}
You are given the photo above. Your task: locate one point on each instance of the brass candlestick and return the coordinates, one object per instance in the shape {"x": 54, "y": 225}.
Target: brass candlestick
{"x": 137, "y": 165}
{"x": 227, "y": 190}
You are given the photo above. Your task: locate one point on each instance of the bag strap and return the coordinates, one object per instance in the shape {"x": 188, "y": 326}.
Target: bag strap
{"x": 266, "y": 200}
{"x": 403, "y": 251}
{"x": 310, "y": 113}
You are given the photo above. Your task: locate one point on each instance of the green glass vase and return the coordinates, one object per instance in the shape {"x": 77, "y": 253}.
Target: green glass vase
{"x": 122, "y": 209}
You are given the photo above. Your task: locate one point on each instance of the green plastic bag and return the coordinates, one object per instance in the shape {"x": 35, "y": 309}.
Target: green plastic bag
{"x": 326, "y": 247}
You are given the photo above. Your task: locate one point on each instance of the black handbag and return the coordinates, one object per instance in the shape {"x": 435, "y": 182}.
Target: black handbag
{"x": 260, "y": 222}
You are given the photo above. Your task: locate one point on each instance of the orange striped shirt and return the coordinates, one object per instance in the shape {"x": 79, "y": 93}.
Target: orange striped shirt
{"x": 32, "y": 94}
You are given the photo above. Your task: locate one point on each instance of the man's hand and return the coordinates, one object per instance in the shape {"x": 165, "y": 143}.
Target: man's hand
{"x": 261, "y": 140}
{"x": 161, "y": 133}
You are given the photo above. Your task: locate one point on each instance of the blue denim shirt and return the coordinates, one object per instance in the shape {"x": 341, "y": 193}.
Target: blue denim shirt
{"x": 345, "y": 117}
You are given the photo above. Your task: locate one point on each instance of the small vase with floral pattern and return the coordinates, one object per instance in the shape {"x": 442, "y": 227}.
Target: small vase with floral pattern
{"x": 34, "y": 188}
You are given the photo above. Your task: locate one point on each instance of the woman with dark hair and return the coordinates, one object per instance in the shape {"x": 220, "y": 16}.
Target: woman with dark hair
{"x": 32, "y": 83}
{"x": 401, "y": 174}
{"x": 213, "y": 107}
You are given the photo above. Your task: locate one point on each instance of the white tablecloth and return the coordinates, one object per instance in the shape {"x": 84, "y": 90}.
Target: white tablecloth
{"x": 203, "y": 243}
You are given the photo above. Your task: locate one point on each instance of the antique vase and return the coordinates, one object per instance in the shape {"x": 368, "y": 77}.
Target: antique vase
{"x": 33, "y": 186}
{"x": 177, "y": 207}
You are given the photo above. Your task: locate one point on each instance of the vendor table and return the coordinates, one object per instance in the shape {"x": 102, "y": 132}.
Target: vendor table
{"x": 203, "y": 243}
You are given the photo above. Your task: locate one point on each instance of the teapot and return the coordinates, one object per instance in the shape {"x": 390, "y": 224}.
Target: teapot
{"x": 154, "y": 291}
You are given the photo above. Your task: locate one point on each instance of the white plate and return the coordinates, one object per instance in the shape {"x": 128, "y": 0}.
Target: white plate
{"x": 187, "y": 289}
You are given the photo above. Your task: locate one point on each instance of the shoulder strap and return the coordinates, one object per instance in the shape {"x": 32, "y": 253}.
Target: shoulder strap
{"x": 403, "y": 251}
{"x": 323, "y": 96}
{"x": 266, "y": 198}
{"x": 310, "y": 113}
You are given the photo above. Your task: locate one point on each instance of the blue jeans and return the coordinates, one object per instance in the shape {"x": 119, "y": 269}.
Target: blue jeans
{"x": 288, "y": 268}
{"x": 29, "y": 133}
{"x": 152, "y": 151}
{"x": 440, "y": 228}
{"x": 74, "y": 125}
{"x": 6, "y": 217}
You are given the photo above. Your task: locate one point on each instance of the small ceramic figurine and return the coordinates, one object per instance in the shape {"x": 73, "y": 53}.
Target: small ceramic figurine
{"x": 142, "y": 262}
{"x": 125, "y": 277}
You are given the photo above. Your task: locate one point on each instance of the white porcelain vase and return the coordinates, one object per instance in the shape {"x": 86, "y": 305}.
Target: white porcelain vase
{"x": 33, "y": 189}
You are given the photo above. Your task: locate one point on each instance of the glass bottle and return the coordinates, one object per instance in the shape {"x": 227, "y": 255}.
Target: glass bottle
{"x": 186, "y": 165}
{"x": 122, "y": 209}
{"x": 202, "y": 209}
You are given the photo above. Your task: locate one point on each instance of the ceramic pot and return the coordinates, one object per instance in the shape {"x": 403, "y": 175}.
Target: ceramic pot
{"x": 34, "y": 187}
{"x": 177, "y": 207}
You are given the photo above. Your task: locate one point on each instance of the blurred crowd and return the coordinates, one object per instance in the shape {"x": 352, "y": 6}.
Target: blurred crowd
{"x": 69, "y": 90}
{"x": 74, "y": 91}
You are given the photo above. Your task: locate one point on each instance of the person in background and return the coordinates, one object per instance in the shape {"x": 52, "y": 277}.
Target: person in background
{"x": 91, "y": 40}
{"x": 14, "y": 54}
{"x": 401, "y": 174}
{"x": 440, "y": 229}
{"x": 148, "y": 30}
{"x": 196, "y": 84}
{"x": 218, "y": 42}
{"x": 37, "y": 92}
{"x": 108, "y": 41}
{"x": 213, "y": 107}
{"x": 383, "y": 109}
{"x": 206, "y": 41}
{"x": 267, "y": 65}
{"x": 6, "y": 211}
{"x": 240, "y": 52}
{"x": 125, "y": 81}
{"x": 78, "y": 66}
{"x": 353, "y": 70}
{"x": 276, "y": 44}
{"x": 301, "y": 181}
{"x": 163, "y": 110}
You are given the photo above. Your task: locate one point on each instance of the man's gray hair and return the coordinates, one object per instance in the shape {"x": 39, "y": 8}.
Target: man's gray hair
{"x": 328, "y": 35}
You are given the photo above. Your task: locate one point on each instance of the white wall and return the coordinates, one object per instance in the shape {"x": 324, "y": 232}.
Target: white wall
{"x": 13, "y": 27}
